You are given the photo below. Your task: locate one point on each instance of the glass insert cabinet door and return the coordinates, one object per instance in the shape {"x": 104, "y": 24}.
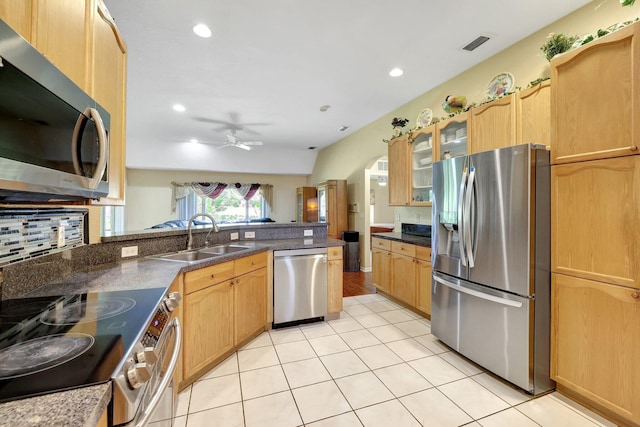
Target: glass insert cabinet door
{"x": 322, "y": 204}
{"x": 422, "y": 167}
{"x": 453, "y": 137}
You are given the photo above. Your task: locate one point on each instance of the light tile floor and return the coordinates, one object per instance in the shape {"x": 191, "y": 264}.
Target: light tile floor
{"x": 377, "y": 365}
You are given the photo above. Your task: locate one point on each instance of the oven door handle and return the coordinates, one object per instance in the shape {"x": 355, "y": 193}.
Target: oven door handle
{"x": 167, "y": 378}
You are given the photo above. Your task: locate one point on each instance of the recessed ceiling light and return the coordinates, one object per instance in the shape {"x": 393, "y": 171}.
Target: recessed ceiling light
{"x": 193, "y": 141}
{"x": 202, "y": 31}
{"x": 396, "y": 72}
{"x": 179, "y": 108}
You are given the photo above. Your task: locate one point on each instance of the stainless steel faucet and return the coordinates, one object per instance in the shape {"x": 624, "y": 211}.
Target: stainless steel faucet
{"x": 206, "y": 239}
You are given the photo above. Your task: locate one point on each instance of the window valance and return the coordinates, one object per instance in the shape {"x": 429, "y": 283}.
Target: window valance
{"x": 215, "y": 189}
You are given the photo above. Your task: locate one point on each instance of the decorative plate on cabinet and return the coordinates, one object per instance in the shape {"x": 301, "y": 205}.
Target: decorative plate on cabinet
{"x": 424, "y": 118}
{"x": 500, "y": 84}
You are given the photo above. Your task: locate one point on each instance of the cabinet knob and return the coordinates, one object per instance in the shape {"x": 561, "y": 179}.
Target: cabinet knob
{"x": 633, "y": 148}
{"x": 635, "y": 295}
{"x": 213, "y": 276}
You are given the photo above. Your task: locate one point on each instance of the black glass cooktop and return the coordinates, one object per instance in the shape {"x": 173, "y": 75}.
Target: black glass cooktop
{"x": 62, "y": 342}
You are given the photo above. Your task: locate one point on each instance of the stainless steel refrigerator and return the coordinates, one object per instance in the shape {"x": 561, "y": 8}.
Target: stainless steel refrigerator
{"x": 491, "y": 270}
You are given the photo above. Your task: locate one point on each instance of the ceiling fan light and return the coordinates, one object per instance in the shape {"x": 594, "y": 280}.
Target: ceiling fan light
{"x": 202, "y": 30}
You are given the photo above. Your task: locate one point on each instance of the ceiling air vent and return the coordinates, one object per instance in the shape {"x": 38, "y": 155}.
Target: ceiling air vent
{"x": 474, "y": 44}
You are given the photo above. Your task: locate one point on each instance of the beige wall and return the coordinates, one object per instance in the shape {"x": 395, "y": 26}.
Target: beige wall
{"x": 149, "y": 194}
{"x": 347, "y": 158}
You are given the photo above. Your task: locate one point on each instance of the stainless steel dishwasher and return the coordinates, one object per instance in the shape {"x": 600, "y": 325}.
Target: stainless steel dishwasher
{"x": 299, "y": 286}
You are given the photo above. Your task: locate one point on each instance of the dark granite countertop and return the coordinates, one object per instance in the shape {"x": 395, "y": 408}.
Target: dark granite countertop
{"x": 405, "y": 238}
{"x": 84, "y": 406}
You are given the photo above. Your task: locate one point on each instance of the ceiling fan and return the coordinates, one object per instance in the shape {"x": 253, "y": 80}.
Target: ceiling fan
{"x": 234, "y": 141}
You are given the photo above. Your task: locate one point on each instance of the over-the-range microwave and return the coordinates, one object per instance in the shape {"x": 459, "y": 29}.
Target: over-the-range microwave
{"x": 54, "y": 138}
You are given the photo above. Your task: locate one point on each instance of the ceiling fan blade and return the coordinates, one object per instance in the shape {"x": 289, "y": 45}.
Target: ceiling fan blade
{"x": 252, "y": 142}
{"x": 241, "y": 145}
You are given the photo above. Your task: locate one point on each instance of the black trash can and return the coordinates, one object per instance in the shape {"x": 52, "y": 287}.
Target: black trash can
{"x": 351, "y": 258}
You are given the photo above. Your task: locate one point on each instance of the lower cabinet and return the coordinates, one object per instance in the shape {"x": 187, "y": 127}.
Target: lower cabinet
{"x": 208, "y": 325}
{"x": 381, "y": 263}
{"x": 224, "y": 305}
{"x": 403, "y": 271}
{"x": 403, "y": 278}
{"x": 423, "y": 279}
{"x": 334, "y": 279}
{"x": 595, "y": 344}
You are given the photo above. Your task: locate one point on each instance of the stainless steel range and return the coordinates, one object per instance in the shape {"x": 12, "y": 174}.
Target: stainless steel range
{"x": 57, "y": 343}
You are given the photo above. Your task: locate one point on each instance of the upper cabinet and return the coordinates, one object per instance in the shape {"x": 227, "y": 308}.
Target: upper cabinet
{"x": 595, "y": 99}
{"x": 17, "y": 14}
{"x": 61, "y": 31}
{"x": 81, "y": 39}
{"x": 493, "y": 125}
{"x": 452, "y": 137}
{"x": 108, "y": 88}
{"x": 533, "y": 115}
{"x": 332, "y": 206}
{"x": 399, "y": 171}
{"x": 422, "y": 157}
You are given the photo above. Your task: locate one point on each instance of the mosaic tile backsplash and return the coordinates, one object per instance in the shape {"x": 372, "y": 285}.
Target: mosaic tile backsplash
{"x": 30, "y": 233}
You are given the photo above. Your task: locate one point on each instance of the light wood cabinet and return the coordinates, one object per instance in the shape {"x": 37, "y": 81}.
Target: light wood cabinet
{"x": 595, "y": 99}
{"x": 493, "y": 125}
{"x": 334, "y": 279}
{"x": 595, "y": 230}
{"x": 399, "y": 152}
{"x": 250, "y": 304}
{"x": 533, "y": 115}
{"x": 595, "y": 344}
{"x": 208, "y": 325}
{"x": 224, "y": 306}
{"x": 423, "y": 279}
{"x": 381, "y": 264}
{"x": 61, "y": 32}
{"x": 453, "y": 136}
{"x": 304, "y": 212}
{"x": 332, "y": 206}
{"x": 403, "y": 278}
{"x": 108, "y": 88}
{"x": 17, "y": 14}
{"x": 403, "y": 271}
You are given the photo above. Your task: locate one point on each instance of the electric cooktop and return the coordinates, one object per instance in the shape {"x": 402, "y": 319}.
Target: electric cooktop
{"x": 62, "y": 342}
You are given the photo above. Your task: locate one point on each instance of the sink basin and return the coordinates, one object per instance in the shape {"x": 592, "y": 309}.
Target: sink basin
{"x": 201, "y": 254}
{"x": 223, "y": 249}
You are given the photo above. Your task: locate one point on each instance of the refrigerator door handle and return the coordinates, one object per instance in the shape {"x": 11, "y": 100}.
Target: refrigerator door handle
{"x": 467, "y": 215}
{"x": 463, "y": 184}
{"x": 477, "y": 294}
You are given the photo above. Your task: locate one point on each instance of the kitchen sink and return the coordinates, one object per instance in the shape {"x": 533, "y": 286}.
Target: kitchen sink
{"x": 196, "y": 255}
{"x": 223, "y": 249}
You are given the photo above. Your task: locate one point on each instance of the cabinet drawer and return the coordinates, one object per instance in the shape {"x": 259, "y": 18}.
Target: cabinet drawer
{"x": 334, "y": 252}
{"x": 205, "y": 277}
{"x": 382, "y": 244}
{"x": 250, "y": 263}
{"x": 423, "y": 253}
{"x": 403, "y": 249}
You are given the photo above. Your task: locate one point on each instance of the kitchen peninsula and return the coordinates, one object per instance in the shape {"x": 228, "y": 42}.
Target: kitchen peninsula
{"x": 101, "y": 268}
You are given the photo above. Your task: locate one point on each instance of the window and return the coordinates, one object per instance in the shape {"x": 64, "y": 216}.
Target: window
{"x": 226, "y": 208}
{"x": 111, "y": 220}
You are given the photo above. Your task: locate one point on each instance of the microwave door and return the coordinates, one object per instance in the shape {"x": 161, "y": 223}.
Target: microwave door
{"x": 89, "y": 150}
{"x": 449, "y": 186}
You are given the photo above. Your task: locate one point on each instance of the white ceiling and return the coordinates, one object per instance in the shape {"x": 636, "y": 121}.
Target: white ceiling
{"x": 271, "y": 65}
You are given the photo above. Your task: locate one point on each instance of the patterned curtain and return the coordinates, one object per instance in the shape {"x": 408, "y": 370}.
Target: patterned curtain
{"x": 244, "y": 191}
{"x": 208, "y": 189}
{"x": 215, "y": 189}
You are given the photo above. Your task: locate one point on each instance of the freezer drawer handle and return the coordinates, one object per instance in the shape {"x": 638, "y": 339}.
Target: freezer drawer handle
{"x": 477, "y": 294}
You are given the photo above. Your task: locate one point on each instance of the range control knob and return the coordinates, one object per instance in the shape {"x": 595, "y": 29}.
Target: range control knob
{"x": 138, "y": 374}
{"x": 148, "y": 356}
{"x": 172, "y": 301}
